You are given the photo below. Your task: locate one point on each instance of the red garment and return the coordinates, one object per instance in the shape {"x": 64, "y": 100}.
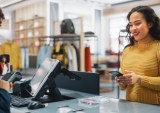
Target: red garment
{"x": 2, "y": 66}
{"x": 88, "y": 61}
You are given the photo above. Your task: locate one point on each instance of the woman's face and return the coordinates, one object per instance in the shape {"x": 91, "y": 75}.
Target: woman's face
{"x": 139, "y": 27}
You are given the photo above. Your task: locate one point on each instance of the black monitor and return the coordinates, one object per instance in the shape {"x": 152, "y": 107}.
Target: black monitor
{"x": 43, "y": 78}
{"x": 89, "y": 82}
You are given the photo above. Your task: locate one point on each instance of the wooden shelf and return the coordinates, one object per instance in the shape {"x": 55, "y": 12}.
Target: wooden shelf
{"x": 62, "y": 36}
{"x": 89, "y": 35}
{"x": 29, "y": 31}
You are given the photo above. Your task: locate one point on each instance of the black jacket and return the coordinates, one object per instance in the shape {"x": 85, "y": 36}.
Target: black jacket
{"x": 4, "y": 101}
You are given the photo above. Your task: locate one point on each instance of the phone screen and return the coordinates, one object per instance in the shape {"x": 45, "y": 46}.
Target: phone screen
{"x": 119, "y": 74}
{"x": 116, "y": 73}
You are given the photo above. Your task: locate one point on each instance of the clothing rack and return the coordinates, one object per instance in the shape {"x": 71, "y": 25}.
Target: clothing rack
{"x": 88, "y": 38}
{"x": 64, "y": 38}
{"x": 78, "y": 36}
{"x": 119, "y": 54}
{"x": 72, "y": 38}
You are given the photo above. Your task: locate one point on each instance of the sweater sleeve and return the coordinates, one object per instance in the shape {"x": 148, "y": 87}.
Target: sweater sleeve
{"x": 153, "y": 82}
{"x": 4, "y": 101}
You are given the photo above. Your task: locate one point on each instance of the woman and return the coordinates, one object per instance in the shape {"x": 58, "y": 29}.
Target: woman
{"x": 4, "y": 87}
{"x": 140, "y": 63}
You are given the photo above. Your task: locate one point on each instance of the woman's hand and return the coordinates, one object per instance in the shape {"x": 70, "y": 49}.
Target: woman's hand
{"x": 131, "y": 77}
{"x": 120, "y": 79}
{"x": 5, "y": 85}
{"x": 128, "y": 78}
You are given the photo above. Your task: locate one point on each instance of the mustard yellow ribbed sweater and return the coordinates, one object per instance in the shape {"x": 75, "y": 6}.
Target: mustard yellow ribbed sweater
{"x": 144, "y": 60}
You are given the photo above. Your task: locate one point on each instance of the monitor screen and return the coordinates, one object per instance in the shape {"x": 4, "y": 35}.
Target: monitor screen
{"x": 41, "y": 76}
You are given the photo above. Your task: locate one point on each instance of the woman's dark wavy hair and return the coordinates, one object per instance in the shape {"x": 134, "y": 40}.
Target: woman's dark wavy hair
{"x": 151, "y": 17}
{"x": 1, "y": 16}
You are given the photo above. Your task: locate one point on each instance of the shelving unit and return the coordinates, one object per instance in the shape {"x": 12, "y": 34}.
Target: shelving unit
{"x": 26, "y": 34}
{"x": 29, "y": 31}
{"x": 30, "y": 28}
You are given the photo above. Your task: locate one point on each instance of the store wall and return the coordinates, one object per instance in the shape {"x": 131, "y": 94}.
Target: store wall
{"x": 73, "y": 10}
{"x": 5, "y": 31}
{"x": 29, "y": 12}
{"x": 87, "y": 12}
{"x": 157, "y": 9}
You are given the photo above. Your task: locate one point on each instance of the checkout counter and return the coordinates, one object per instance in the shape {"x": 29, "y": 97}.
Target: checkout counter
{"x": 111, "y": 106}
{"x": 51, "y": 81}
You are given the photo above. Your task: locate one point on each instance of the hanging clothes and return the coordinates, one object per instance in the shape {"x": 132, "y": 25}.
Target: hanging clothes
{"x": 72, "y": 57}
{"x": 44, "y": 52}
{"x": 88, "y": 61}
{"x": 25, "y": 57}
{"x": 60, "y": 52}
{"x": 77, "y": 54}
{"x": 13, "y": 50}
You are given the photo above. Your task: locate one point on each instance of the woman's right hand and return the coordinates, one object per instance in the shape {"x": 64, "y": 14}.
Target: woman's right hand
{"x": 120, "y": 79}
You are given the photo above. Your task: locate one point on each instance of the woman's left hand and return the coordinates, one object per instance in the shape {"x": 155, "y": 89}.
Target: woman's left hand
{"x": 131, "y": 77}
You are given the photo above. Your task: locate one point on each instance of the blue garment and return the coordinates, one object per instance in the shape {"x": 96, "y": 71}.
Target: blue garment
{"x": 25, "y": 58}
{"x": 44, "y": 52}
{"x": 4, "y": 101}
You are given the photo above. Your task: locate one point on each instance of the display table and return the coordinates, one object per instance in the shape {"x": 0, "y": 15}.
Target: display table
{"x": 112, "y": 106}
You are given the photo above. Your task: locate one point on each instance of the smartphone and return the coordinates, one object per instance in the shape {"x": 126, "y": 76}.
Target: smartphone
{"x": 116, "y": 73}
{"x": 12, "y": 77}
{"x": 119, "y": 74}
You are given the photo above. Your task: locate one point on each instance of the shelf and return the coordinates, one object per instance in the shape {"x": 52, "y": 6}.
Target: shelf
{"x": 21, "y": 30}
{"x": 89, "y": 35}
{"x": 35, "y": 18}
{"x": 30, "y": 25}
{"x": 62, "y": 36}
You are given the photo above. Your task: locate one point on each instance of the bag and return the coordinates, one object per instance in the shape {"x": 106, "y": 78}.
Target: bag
{"x": 67, "y": 26}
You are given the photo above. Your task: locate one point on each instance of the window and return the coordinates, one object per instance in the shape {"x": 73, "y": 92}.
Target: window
{"x": 116, "y": 24}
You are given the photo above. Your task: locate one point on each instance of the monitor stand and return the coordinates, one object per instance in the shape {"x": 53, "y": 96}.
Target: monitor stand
{"x": 53, "y": 94}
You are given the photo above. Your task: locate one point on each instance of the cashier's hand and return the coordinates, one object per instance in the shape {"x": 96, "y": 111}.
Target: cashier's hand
{"x": 5, "y": 85}
{"x": 131, "y": 77}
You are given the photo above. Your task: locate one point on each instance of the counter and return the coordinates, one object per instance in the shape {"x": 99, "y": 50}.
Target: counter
{"x": 112, "y": 106}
